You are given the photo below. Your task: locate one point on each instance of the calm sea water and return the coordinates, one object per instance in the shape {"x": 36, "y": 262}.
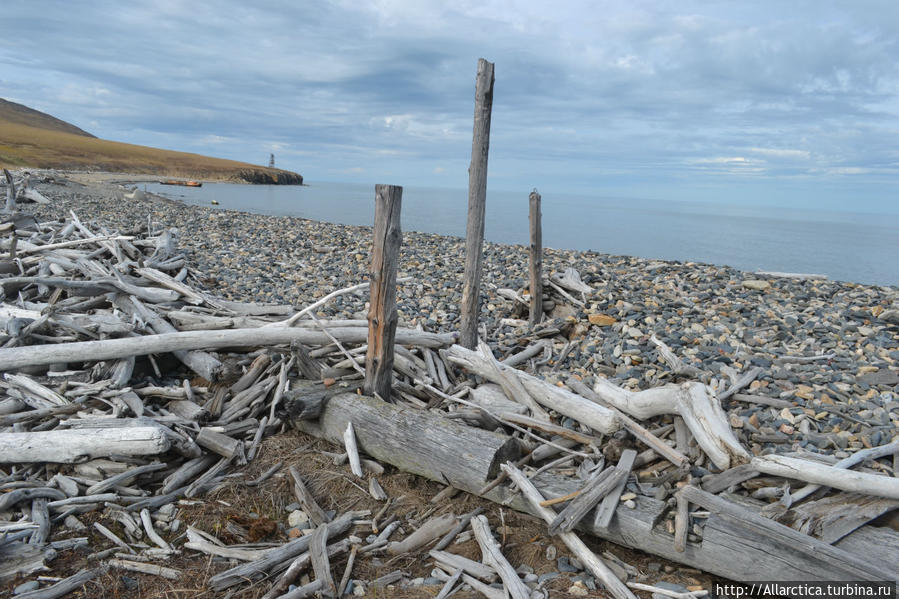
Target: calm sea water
{"x": 844, "y": 246}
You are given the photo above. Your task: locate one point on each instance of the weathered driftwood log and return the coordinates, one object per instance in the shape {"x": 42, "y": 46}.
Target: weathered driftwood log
{"x": 12, "y": 498}
{"x": 108, "y": 349}
{"x": 609, "y": 505}
{"x": 453, "y": 561}
{"x": 144, "y": 568}
{"x": 595, "y": 565}
{"x": 634, "y": 427}
{"x": 419, "y": 442}
{"x": 433, "y": 529}
{"x": 222, "y": 444}
{"x": 273, "y": 558}
{"x": 352, "y": 450}
{"x": 29, "y": 193}
{"x": 493, "y": 556}
{"x": 822, "y": 474}
{"x": 305, "y": 399}
{"x": 318, "y": 555}
{"x": 841, "y": 564}
{"x": 562, "y": 401}
{"x": 71, "y": 446}
{"x": 18, "y": 558}
{"x": 509, "y": 383}
{"x": 66, "y": 585}
{"x": 314, "y": 511}
{"x": 701, "y": 412}
{"x": 732, "y": 553}
{"x": 570, "y": 279}
{"x": 297, "y": 566}
{"x": 858, "y": 457}
{"x": 597, "y": 488}
{"x": 676, "y": 365}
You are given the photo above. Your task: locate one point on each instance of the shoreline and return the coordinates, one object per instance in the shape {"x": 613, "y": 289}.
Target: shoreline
{"x": 713, "y": 313}
{"x": 685, "y": 232}
{"x": 818, "y": 358}
{"x": 113, "y": 178}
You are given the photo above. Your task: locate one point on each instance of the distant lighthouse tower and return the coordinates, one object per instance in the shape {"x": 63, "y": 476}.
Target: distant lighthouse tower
{"x": 271, "y": 161}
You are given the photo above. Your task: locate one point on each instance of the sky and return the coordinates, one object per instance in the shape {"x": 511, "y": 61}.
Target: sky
{"x": 769, "y": 103}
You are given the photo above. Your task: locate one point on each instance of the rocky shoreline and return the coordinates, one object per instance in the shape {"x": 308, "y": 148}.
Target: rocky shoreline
{"x": 819, "y": 343}
{"x": 822, "y": 354}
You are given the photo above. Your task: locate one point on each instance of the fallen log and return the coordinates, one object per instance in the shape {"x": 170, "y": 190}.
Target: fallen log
{"x": 842, "y": 565}
{"x": 415, "y": 441}
{"x": 71, "y": 446}
{"x": 44, "y": 355}
{"x": 733, "y": 553}
{"x": 822, "y": 474}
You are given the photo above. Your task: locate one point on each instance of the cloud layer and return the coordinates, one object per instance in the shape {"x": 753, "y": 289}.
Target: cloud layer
{"x": 796, "y": 102}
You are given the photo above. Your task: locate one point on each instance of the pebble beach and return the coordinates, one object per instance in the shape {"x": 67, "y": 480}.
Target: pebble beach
{"x": 828, "y": 350}
{"x": 817, "y": 358}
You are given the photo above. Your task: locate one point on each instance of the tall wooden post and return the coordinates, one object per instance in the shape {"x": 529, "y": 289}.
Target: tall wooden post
{"x": 382, "y": 317}
{"x": 477, "y": 198}
{"x": 535, "y": 254}
{"x": 10, "y": 192}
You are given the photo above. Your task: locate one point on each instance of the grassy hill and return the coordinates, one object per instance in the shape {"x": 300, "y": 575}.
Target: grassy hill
{"x": 19, "y": 114}
{"x": 29, "y": 138}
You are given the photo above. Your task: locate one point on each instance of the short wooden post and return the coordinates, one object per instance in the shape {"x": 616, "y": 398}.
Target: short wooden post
{"x": 382, "y": 317}
{"x": 477, "y": 197}
{"x": 535, "y": 254}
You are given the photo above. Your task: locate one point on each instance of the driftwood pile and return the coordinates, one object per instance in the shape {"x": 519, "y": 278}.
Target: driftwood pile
{"x": 127, "y": 390}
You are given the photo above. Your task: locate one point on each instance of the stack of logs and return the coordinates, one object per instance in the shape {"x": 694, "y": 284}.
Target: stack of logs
{"x": 127, "y": 390}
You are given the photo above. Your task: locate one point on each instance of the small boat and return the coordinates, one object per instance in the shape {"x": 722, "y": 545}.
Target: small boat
{"x": 182, "y": 183}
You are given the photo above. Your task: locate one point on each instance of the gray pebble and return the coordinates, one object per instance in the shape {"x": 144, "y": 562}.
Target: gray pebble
{"x": 31, "y": 585}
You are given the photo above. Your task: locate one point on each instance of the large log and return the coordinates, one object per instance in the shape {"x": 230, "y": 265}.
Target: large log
{"x": 416, "y": 442}
{"x": 71, "y": 446}
{"x": 109, "y": 349}
{"x": 419, "y": 442}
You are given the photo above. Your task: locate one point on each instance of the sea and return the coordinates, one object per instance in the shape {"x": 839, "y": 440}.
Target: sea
{"x": 844, "y": 246}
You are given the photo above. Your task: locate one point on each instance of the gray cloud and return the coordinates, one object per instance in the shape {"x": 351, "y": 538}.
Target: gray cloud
{"x": 659, "y": 101}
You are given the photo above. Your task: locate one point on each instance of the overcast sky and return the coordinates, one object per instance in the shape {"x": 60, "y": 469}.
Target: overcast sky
{"x": 791, "y": 103}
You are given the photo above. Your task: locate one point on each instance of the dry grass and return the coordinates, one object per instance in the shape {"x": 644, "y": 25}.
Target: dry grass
{"x": 27, "y": 146}
{"x": 523, "y": 538}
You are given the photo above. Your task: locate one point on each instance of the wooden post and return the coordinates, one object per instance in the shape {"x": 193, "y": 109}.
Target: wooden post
{"x": 382, "y": 317}
{"x": 477, "y": 197}
{"x": 536, "y": 259}
{"x": 10, "y": 192}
